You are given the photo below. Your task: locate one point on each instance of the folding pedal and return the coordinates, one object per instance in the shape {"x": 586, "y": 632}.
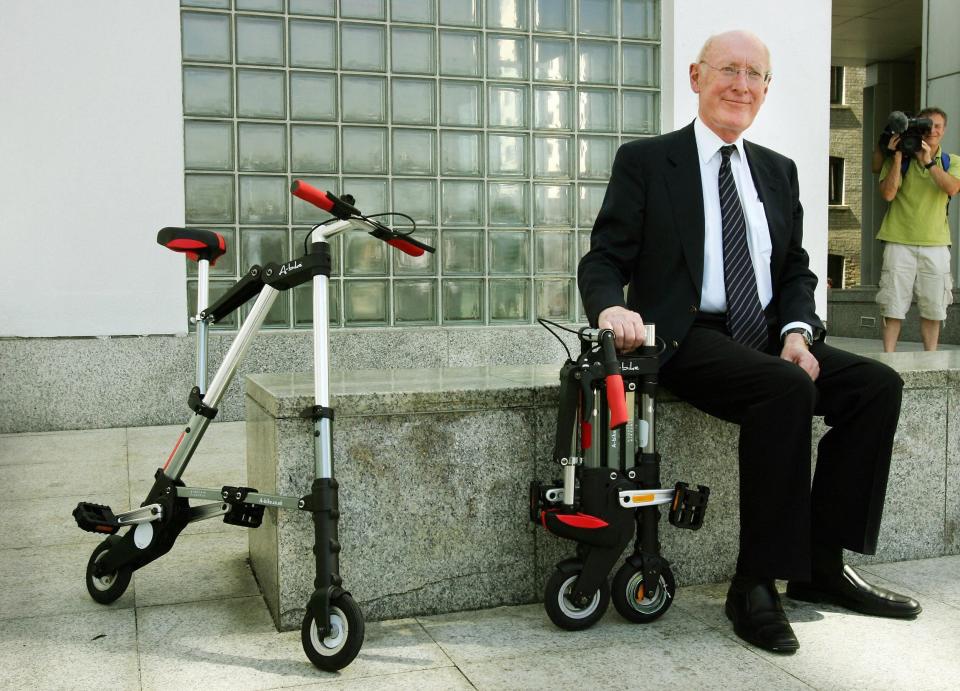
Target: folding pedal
{"x": 96, "y": 518}
{"x": 689, "y": 506}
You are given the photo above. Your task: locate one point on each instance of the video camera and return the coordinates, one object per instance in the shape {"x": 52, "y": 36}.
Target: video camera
{"x": 911, "y": 131}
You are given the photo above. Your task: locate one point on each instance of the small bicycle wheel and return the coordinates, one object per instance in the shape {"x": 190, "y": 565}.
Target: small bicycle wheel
{"x": 637, "y": 603}
{"x": 563, "y": 611}
{"x": 342, "y": 643}
{"x": 108, "y": 587}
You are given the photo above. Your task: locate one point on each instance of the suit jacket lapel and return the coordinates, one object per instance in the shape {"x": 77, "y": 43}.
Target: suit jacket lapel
{"x": 682, "y": 176}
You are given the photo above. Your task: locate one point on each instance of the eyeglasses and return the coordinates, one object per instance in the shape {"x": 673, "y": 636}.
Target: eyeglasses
{"x": 730, "y": 73}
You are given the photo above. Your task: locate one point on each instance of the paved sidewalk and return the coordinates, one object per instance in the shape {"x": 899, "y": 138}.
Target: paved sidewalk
{"x": 195, "y": 620}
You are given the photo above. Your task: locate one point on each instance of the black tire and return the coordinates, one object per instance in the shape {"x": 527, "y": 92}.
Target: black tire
{"x": 108, "y": 587}
{"x": 337, "y": 650}
{"x": 565, "y": 613}
{"x": 637, "y": 603}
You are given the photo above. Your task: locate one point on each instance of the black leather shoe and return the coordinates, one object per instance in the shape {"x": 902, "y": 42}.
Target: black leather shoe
{"x": 758, "y": 617}
{"x": 850, "y": 591}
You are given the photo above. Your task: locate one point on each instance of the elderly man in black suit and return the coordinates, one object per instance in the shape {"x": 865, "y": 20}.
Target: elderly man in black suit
{"x": 706, "y": 229}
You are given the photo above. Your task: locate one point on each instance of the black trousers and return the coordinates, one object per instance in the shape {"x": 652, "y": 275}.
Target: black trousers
{"x": 774, "y": 402}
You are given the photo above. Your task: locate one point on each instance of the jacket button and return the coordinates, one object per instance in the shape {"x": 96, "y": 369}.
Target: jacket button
{"x": 693, "y": 309}
{"x": 674, "y": 344}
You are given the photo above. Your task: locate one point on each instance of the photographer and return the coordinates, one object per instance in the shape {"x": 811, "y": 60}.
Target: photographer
{"x": 918, "y": 181}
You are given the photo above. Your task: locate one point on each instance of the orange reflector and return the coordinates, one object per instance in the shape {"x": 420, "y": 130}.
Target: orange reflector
{"x": 642, "y": 498}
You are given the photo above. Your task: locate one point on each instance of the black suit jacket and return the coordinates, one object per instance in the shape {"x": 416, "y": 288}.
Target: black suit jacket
{"x": 650, "y": 233}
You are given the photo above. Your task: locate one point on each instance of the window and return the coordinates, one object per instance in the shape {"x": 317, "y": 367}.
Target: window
{"x": 836, "y": 181}
{"x": 836, "y": 85}
{"x": 494, "y": 124}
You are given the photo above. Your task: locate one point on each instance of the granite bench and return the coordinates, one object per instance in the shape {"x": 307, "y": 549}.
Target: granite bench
{"x": 434, "y": 466}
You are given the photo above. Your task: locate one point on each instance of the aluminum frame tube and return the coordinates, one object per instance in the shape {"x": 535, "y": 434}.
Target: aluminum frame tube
{"x": 323, "y": 437}
{"x": 240, "y": 345}
{"x": 201, "y": 374}
{"x": 203, "y": 301}
{"x": 647, "y": 402}
{"x": 569, "y": 482}
{"x": 194, "y": 431}
{"x": 614, "y": 442}
{"x": 186, "y": 445}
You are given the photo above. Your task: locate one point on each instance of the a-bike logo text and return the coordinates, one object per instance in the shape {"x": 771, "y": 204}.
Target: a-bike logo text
{"x": 269, "y": 502}
{"x": 287, "y": 268}
{"x": 191, "y": 493}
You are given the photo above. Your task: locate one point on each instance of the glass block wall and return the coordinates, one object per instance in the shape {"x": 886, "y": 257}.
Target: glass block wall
{"x": 493, "y": 123}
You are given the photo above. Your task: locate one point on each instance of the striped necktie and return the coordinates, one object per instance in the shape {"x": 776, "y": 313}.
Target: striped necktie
{"x": 744, "y": 312}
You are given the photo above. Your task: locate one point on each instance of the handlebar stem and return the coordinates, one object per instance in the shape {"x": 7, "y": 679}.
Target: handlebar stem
{"x": 323, "y": 233}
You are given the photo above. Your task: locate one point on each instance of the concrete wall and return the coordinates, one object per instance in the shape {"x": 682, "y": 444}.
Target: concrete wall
{"x": 434, "y": 467}
{"x": 89, "y": 383}
{"x": 92, "y": 157}
{"x": 854, "y": 313}
{"x": 795, "y": 119}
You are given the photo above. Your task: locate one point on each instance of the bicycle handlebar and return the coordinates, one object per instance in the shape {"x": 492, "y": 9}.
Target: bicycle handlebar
{"x": 332, "y": 204}
{"x": 616, "y": 396}
{"x": 404, "y": 243}
{"x": 325, "y": 200}
{"x": 309, "y": 193}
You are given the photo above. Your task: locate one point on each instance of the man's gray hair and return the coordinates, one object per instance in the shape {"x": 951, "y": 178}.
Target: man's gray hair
{"x": 702, "y": 55}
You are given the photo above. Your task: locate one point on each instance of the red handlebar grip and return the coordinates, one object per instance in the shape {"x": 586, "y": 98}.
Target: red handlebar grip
{"x": 616, "y": 401}
{"x": 405, "y": 246}
{"x": 311, "y": 194}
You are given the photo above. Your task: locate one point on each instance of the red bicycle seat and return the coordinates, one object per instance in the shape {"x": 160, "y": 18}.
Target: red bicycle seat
{"x": 195, "y": 243}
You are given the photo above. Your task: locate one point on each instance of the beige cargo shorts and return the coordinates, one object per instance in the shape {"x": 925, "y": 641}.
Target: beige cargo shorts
{"x": 910, "y": 270}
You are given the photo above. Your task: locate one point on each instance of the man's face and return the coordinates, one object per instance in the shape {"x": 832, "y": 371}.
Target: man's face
{"x": 728, "y": 103}
{"x": 936, "y": 132}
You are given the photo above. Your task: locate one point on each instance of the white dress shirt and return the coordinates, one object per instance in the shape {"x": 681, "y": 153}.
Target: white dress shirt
{"x": 713, "y": 295}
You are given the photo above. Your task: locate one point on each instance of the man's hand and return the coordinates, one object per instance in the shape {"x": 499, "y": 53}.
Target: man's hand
{"x": 627, "y": 327}
{"x": 925, "y": 155}
{"x": 795, "y": 350}
{"x": 890, "y": 184}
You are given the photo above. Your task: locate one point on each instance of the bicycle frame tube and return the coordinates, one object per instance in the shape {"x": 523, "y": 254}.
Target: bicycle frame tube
{"x": 240, "y": 345}
{"x": 203, "y": 301}
{"x": 193, "y": 433}
{"x": 646, "y": 438}
{"x": 323, "y": 437}
{"x": 198, "y": 424}
{"x": 323, "y": 440}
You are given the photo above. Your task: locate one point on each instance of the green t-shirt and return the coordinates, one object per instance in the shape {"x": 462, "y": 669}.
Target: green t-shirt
{"x": 918, "y": 214}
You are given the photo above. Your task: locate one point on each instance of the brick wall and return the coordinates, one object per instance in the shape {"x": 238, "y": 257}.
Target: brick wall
{"x": 846, "y": 142}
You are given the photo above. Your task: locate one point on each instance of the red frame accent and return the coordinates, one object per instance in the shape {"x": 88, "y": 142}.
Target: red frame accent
{"x": 586, "y": 435}
{"x": 574, "y": 520}
{"x": 175, "y": 447}
{"x": 582, "y": 520}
